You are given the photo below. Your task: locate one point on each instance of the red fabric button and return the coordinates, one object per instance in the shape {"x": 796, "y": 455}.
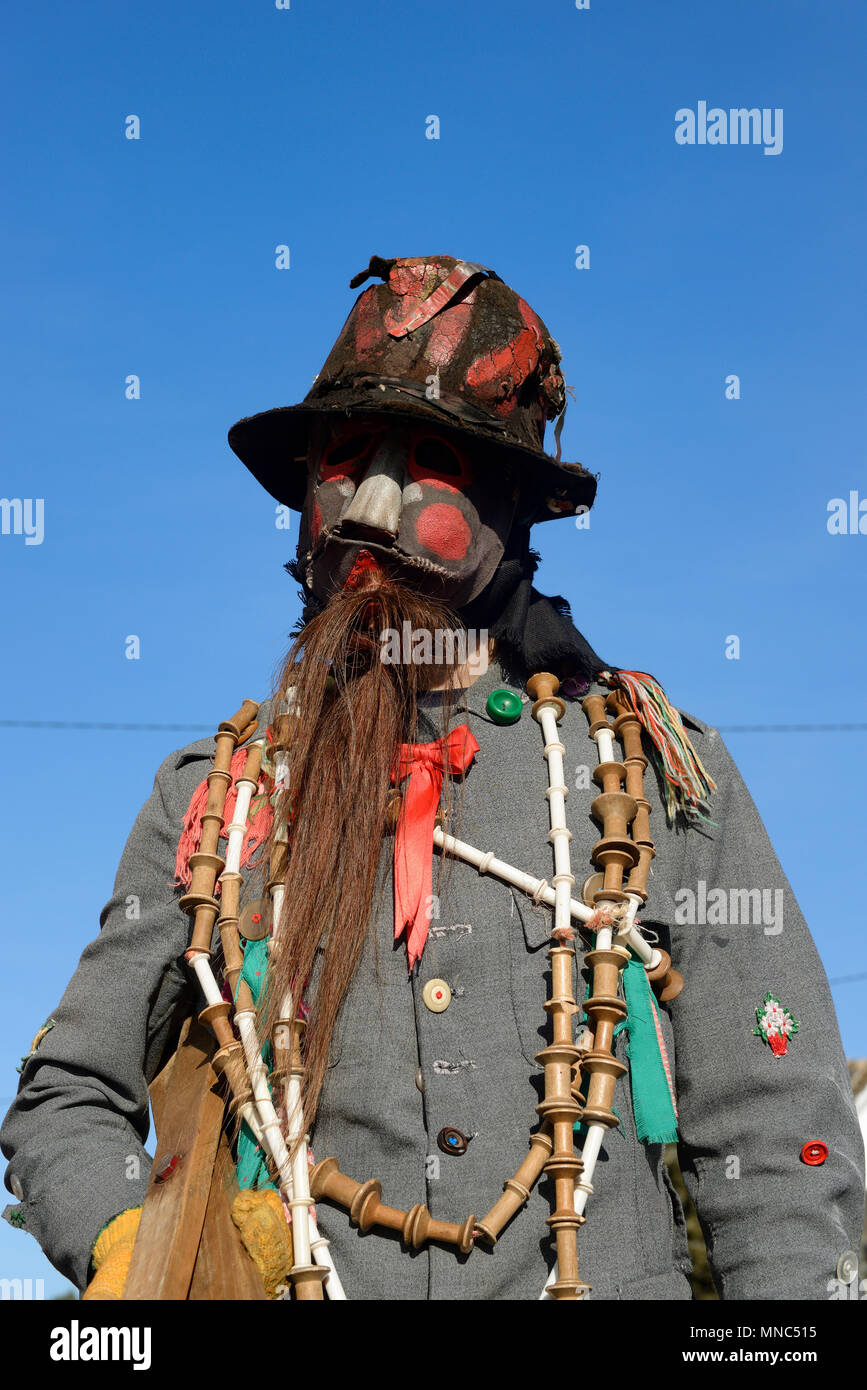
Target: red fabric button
{"x": 814, "y": 1153}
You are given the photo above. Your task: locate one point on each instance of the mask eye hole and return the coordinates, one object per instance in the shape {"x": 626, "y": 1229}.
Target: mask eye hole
{"x": 440, "y": 465}
{"x": 435, "y": 456}
{"x": 344, "y": 457}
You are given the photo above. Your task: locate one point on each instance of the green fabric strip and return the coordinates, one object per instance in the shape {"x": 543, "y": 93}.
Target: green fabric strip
{"x": 655, "y": 1121}
{"x": 251, "y": 1167}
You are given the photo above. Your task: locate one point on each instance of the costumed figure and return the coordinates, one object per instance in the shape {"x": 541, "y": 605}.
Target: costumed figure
{"x": 440, "y": 945}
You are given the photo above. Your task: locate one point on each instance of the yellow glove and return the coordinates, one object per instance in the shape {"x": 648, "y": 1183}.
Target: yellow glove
{"x": 266, "y": 1236}
{"x": 111, "y": 1255}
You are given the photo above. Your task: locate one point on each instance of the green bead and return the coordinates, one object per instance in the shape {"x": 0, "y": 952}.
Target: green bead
{"x": 504, "y": 707}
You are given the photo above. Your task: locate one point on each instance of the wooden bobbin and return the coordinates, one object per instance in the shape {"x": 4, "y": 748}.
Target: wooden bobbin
{"x": 252, "y": 767}
{"x": 604, "y": 1009}
{"x": 594, "y": 708}
{"x": 216, "y": 1017}
{"x": 542, "y": 689}
{"x": 277, "y": 866}
{"x": 206, "y": 913}
{"x": 614, "y": 809}
{"x": 229, "y": 1062}
{"x": 672, "y": 984}
{"x": 627, "y": 726}
{"x": 243, "y": 722}
{"x": 227, "y": 925}
{"x": 616, "y": 854}
{"x": 290, "y": 1057}
{"x": 282, "y": 730}
{"x": 363, "y": 1202}
{"x": 307, "y": 1282}
{"x": 637, "y": 881}
{"x": 281, "y": 1041}
{"x": 561, "y": 1111}
{"x": 516, "y": 1190}
{"x": 206, "y": 863}
{"x": 230, "y": 899}
{"x": 609, "y": 776}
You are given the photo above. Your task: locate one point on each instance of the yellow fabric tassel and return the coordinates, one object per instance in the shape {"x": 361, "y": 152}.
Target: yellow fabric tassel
{"x": 266, "y": 1236}
{"x": 112, "y": 1252}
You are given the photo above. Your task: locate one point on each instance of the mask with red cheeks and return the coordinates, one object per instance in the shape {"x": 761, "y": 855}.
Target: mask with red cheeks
{"x": 422, "y": 503}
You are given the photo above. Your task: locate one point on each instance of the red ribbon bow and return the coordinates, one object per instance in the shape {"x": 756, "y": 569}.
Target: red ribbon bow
{"x": 413, "y": 862}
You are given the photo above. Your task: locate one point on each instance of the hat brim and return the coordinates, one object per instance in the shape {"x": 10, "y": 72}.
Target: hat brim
{"x": 273, "y": 446}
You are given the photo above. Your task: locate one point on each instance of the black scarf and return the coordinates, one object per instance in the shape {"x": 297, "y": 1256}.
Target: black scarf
{"x": 533, "y": 632}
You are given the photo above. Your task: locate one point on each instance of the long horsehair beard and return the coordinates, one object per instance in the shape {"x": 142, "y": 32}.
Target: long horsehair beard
{"x": 351, "y": 713}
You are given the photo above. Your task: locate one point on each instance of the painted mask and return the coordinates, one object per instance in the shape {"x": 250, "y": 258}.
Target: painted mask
{"x": 421, "y": 502}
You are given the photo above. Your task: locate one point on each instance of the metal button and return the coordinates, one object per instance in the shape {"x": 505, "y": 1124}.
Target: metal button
{"x": 847, "y": 1267}
{"x": 419, "y": 1080}
{"x": 814, "y": 1153}
{"x": 437, "y": 996}
{"x": 451, "y": 1141}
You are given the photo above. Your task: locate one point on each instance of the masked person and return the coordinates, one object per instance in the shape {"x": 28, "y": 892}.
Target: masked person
{"x": 441, "y": 1034}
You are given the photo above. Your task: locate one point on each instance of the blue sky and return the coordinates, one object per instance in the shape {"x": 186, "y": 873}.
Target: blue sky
{"x": 306, "y": 127}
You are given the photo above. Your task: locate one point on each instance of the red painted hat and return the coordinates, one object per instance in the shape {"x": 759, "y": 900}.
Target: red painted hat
{"x": 443, "y": 340}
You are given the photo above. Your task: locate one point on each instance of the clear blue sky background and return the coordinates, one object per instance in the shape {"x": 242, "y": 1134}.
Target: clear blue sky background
{"x": 307, "y": 127}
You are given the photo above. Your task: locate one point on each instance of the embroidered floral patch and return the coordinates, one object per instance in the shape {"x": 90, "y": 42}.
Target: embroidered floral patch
{"x": 776, "y": 1025}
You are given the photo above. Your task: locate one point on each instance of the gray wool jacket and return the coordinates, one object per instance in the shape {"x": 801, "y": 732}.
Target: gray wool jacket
{"x": 775, "y": 1226}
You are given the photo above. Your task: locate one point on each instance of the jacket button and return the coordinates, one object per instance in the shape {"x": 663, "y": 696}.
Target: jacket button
{"x": 437, "y": 996}
{"x": 504, "y": 707}
{"x": 451, "y": 1141}
{"x": 814, "y": 1153}
{"x": 847, "y": 1267}
{"x": 419, "y": 1080}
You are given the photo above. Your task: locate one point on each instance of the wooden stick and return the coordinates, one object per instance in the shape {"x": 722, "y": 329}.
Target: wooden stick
{"x": 171, "y": 1224}
{"x": 224, "y": 1270}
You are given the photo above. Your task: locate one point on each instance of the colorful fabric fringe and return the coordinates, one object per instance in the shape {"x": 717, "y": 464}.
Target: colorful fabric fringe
{"x": 258, "y": 820}
{"x": 687, "y": 783}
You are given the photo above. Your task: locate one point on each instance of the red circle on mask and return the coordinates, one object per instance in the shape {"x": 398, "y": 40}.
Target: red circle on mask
{"x": 442, "y": 529}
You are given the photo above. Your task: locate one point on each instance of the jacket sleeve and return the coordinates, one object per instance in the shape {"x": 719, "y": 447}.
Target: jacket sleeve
{"x": 775, "y": 1225}
{"x": 76, "y": 1131}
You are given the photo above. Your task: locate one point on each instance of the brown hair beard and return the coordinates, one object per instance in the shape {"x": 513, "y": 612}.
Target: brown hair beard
{"x": 352, "y": 711}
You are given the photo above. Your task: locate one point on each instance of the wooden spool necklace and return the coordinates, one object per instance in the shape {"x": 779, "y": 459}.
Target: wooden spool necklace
{"x": 624, "y": 848}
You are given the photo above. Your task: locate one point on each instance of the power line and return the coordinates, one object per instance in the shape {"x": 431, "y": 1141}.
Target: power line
{"x": 792, "y": 728}
{"x": 205, "y": 731}
{"x": 92, "y": 724}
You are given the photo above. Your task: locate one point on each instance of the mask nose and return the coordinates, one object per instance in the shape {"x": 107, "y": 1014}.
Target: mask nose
{"x": 374, "y": 512}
